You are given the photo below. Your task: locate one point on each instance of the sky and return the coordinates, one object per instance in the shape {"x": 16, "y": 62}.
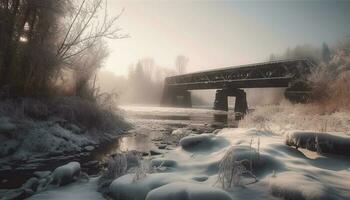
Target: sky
{"x": 215, "y": 34}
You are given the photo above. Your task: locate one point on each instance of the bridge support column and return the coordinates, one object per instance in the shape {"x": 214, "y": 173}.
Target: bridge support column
{"x": 221, "y": 103}
{"x": 178, "y": 98}
{"x": 221, "y": 100}
{"x": 241, "y": 106}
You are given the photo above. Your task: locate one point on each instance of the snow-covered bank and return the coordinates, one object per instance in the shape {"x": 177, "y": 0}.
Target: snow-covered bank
{"x": 41, "y": 135}
{"x": 83, "y": 190}
{"x": 246, "y": 164}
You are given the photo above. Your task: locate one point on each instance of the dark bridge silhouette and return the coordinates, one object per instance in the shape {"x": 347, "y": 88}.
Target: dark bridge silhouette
{"x": 290, "y": 74}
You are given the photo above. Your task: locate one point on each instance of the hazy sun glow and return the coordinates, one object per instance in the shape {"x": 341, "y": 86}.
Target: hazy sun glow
{"x": 220, "y": 33}
{"x": 23, "y": 39}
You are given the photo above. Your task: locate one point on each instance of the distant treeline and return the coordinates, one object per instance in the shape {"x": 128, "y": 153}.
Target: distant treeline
{"x": 144, "y": 82}
{"x": 330, "y": 79}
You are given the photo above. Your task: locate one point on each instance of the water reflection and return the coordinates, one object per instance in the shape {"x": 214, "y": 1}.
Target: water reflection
{"x": 151, "y": 122}
{"x": 220, "y": 118}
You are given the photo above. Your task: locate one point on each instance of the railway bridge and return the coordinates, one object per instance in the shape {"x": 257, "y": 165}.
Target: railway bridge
{"x": 231, "y": 81}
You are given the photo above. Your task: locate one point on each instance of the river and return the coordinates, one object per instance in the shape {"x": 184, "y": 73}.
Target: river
{"x": 150, "y": 123}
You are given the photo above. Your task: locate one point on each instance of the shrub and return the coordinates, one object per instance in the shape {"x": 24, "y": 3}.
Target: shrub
{"x": 232, "y": 168}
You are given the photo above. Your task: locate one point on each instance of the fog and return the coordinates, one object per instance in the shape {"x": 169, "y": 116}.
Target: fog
{"x": 213, "y": 35}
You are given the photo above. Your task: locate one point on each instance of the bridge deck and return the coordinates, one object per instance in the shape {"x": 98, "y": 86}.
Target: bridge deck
{"x": 259, "y": 75}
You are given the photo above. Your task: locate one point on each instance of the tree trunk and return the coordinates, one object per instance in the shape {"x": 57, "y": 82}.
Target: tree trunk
{"x": 8, "y": 54}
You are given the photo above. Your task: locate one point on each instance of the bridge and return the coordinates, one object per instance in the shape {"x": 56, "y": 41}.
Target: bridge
{"x": 230, "y": 81}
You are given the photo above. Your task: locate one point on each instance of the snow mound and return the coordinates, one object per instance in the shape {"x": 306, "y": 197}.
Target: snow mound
{"x": 203, "y": 143}
{"x": 297, "y": 186}
{"x": 187, "y": 191}
{"x": 66, "y": 174}
{"x": 261, "y": 163}
{"x": 125, "y": 187}
{"x": 321, "y": 142}
{"x": 75, "y": 191}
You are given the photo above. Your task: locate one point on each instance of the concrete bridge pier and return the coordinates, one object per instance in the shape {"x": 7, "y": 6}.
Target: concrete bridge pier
{"x": 241, "y": 105}
{"x": 221, "y": 102}
{"x": 177, "y": 98}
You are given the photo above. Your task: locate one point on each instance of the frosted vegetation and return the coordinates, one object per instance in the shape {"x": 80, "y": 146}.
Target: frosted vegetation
{"x": 322, "y": 143}
{"x": 247, "y": 164}
{"x": 35, "y": 131}
{"x": 286, "y": 116}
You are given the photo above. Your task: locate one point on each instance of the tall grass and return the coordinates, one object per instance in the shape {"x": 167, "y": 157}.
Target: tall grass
{"x": 286, "y": 116}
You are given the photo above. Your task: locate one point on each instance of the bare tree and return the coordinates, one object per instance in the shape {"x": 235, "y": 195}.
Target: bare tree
{"x": 181, "y": 62}
{"x": 86, "y": 30}
{"x": 35, "y": 49}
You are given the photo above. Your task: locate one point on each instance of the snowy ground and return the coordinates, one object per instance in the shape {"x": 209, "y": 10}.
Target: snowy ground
{"x": 78, "y": 190}
{"x": 282, "y": 171}
{"x": 193, "y": 170}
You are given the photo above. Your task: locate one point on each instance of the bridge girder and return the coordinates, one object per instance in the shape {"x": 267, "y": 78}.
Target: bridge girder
{"x": 269, "y": 74}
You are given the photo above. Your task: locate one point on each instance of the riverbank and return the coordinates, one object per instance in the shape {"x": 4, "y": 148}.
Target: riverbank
{"x": 40, "y": 135}
{"x": 194, "y": 155}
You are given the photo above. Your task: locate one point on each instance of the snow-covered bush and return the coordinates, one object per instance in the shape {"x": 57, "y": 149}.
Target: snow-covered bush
{"x": 232, "y": 169}
{"x": 286, "y": 116}
{"x": 117, "y": 166}
{"x": 144, "y": 167}
{"x": 88, "y": 114}
{"x": 330, "y": 80}
{"x": 70, "y": 110}
{"x": 320, "y": 142}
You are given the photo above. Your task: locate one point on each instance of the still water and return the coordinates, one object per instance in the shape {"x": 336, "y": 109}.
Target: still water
{"x": 151, "y": 123}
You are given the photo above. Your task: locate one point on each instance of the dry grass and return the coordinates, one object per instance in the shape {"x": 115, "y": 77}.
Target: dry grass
{"x": 287, "y": 116}
{"x": 232, "y": 169}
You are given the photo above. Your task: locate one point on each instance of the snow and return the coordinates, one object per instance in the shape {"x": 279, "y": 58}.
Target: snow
{"x": 187, "y": 191}
{"x": 192, "y": 170}
{"x": 42, "y": 174}
{"x": 66, "y": 174}
{"x": 286, "y": 116}
{"x": 43, "y": 137}
{"x": 125, "y": 187}
{"x": 161, "y": 162}
{"x": 203, "y": 143}
{"x": 292, "y": 185}
{"x": 281, "y": 171}
{"x": 78, "y": 191}
{"x": 334, "y": 143}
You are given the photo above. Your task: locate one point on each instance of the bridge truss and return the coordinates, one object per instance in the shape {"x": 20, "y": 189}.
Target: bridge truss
{"x": 267, "y": 74}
